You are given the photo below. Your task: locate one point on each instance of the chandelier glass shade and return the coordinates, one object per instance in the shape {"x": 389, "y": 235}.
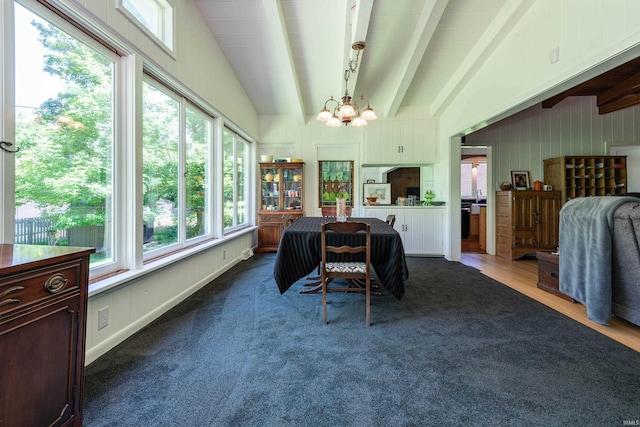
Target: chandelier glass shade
{"x": 346, "y": 110}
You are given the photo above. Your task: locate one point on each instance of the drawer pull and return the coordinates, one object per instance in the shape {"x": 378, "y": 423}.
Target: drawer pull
{"x": 12, "y": 289}
{"x": 9, "y": 301}
{"x": 554, "y": 274}
{"x": 55, "y": 283}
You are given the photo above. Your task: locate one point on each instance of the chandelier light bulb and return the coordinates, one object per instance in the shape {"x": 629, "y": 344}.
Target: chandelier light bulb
{"x": 334, "y": 122}
{"x": 358, "y": 122}
{"x": 368, "y": 114}
{"x": 347, "y": 110}
{"x": 324, "y": 115}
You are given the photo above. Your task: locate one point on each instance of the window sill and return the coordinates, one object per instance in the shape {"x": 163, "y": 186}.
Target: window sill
{"x": 114, "y": 280}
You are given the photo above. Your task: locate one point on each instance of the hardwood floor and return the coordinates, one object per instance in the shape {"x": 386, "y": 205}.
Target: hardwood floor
{"x": 522, "y": 275}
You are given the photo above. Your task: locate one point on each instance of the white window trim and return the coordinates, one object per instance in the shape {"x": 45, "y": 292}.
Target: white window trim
{"x": 169, "y": 26}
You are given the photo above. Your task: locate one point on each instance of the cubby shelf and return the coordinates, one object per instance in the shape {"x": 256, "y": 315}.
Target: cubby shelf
{"x": 584, "y": 176}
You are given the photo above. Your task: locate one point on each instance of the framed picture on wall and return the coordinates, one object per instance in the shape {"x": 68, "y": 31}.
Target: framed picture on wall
{"x": 381, "y": 191}
{"x": 520, "y": 180}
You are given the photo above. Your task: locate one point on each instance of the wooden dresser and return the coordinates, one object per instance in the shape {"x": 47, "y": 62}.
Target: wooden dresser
{"x": 526, "y": 222}
{"x": 43, "y": 302}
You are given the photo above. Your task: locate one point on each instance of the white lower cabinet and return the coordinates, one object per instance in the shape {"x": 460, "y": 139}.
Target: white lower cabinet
{"x": 421, "y": 229}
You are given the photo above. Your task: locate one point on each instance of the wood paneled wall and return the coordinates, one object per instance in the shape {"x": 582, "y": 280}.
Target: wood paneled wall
{"x": 573, "y": 127}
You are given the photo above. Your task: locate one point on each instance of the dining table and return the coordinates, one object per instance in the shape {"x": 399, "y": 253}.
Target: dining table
{"x": 299, "y": 252}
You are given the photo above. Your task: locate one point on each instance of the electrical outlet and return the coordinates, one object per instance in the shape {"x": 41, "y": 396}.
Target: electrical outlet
{"x": 224, "y": 255}
{"x": 103, "y": 317}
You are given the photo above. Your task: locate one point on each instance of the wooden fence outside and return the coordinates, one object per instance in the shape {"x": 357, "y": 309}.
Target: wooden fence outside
{"x": 38, "y": 231}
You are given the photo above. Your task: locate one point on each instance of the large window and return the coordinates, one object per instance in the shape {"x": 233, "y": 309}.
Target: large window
{"x": 160, "y": 134}
{"x": 176, "y": 170}
{"x": 65, "y": 130}
{"x": 78, "y": 168}
{"x": 236, "y": 159}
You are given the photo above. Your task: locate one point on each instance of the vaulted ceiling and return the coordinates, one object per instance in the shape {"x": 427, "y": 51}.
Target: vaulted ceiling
{"x": 290, "y": 55}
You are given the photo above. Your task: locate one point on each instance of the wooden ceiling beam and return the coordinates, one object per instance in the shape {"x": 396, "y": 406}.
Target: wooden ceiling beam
{"x": 622, "y": 89}
{"x": 554, "y": 100}
{"x": 619, "y": 104}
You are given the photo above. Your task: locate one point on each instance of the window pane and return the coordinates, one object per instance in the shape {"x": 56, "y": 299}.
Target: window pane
{"x": 236, "y": 155}
{"x": 146, "y": 11}
{"x": 64, "y": 128}
{"x": 228, "y": 177}
{"x": 481, "y": 180}
{"x": 154, "y": 15}
{"x": 241, "y": 188}
{"x": 466, "y": 181}
{"x": 160, "y": 136}
{"x": 198, "y": 137}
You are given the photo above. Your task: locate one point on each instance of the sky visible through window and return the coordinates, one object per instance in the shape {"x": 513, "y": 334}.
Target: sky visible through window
{"x": 33, "y": 84}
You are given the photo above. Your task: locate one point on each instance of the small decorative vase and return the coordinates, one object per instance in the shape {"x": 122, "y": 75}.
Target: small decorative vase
{"x": 428, "y": 197}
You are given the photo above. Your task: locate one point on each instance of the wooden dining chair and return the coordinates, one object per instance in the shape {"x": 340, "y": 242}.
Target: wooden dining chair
{"x": 359, "y": 269}
{"x": 391, "y": 219}
{"x": 327, "y": 211}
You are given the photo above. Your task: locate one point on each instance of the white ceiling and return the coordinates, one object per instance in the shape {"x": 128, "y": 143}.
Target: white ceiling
{"x": 290, "y": 55}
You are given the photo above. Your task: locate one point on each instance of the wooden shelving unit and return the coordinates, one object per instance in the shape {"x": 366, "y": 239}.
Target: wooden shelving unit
{"x": 584, "y": 176}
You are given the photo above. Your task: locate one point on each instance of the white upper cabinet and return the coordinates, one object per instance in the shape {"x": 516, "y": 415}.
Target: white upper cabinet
{"x": 400, "y": 142}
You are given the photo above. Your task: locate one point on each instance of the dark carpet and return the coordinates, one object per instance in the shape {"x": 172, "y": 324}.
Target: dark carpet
{"x": 458, "y": 349}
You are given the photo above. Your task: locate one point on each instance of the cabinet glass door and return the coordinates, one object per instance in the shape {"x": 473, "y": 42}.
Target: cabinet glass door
{"x": 292, "y": 188}
{"x": 336, "y": 181}
{"x": 270, "y": 184}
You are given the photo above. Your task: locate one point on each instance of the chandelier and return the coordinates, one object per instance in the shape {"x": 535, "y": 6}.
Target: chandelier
{"x": 346, "y": 110}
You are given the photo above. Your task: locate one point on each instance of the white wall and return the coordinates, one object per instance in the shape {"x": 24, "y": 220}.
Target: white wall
{"x": 592, "y": 36}
{"x": 135, "y": 303}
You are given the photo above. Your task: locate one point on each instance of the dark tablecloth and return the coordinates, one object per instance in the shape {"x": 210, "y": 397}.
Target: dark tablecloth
{"x": 299, "y": 253}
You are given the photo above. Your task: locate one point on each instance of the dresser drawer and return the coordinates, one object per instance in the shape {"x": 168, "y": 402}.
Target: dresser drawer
{"x": 26, "y": 288}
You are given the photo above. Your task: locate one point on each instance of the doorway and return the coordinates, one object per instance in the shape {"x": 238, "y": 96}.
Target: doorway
{"x": 473, "y": 199}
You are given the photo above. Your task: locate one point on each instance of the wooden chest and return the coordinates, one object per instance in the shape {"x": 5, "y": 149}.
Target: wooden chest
{"x": 548, "y": 274}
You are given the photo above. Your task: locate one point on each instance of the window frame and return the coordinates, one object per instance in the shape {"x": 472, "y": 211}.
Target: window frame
{"x": 184, "y": 103}
{"x": 117, "y": 261}
{"x": 130, "y": 69}
{"x": 166, "y": 40}
{"x": 247, "y": 187}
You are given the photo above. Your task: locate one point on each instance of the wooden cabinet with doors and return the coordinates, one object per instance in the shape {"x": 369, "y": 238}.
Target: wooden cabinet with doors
{"x": 584, "y": 176}
{"x": 43, "y": 314}
{"x": 421, "y": 229}
{"x": 526, "y": 222}
{"x": 281, "y": 201}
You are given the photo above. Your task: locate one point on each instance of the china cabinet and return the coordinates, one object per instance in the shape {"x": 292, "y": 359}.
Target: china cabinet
{"x": 527, "y": 222}
{"x": 281, "y": 201}
{"x": 583, "y": 176}
{"x": 336, "y": 181}
{"x": 43, "y": 304}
